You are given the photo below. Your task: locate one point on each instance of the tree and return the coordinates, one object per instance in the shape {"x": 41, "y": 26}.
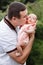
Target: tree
{"x": 25, "y": 1}
{"x": 4, "y": 3}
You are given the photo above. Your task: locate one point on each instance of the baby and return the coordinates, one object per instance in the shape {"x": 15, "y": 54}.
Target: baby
{"x": 25, "y": 32}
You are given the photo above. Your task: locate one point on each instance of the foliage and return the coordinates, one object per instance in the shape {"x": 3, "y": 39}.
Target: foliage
{"x": 4, "y": 3}
{"x": 39, "y": 30}
{"x": 36, "y": 56}
{"x": 2, "y": 14}
{"x": 37, "y": 8}
{"x": 25, "y": 1}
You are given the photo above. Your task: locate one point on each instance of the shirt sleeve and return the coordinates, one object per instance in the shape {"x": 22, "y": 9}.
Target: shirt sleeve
{"x": 8, "y": 42}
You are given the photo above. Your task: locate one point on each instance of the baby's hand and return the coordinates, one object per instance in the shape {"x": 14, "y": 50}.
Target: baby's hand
{"x": 25, "y": 27}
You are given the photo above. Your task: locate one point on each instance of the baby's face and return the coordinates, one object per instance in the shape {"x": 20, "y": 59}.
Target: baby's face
{"x": 32, "y": 18}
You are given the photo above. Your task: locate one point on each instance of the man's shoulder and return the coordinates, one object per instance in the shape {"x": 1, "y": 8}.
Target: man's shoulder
{"x": 5, "y": 30}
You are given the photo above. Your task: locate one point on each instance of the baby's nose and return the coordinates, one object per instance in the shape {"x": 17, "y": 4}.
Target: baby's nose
{"x": 32, "y": 20}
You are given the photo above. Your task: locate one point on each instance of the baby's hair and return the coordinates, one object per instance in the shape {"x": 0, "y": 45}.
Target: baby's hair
{"x": 33, "y": 15}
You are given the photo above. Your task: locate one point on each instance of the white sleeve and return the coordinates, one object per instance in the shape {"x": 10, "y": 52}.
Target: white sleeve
{"x": 8, "y": 42}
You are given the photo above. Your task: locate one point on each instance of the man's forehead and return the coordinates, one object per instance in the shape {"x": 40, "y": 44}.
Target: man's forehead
{"x": 23, "y": 13}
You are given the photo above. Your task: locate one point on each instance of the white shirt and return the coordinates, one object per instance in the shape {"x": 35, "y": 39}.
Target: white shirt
{"x": 8, "y": 42}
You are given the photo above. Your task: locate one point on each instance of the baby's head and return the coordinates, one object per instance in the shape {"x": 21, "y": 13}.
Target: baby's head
{"x": 32, "y": 18}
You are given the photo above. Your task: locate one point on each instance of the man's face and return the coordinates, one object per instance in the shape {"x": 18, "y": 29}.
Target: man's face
{"x": 19, "y": 21}
{"x": 23, "y": 15}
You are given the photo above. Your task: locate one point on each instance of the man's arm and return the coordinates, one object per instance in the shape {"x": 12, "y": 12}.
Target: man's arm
{"x": 26, "y": 52}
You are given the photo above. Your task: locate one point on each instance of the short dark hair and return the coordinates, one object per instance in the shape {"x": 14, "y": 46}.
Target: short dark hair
{"x": 15, "y": 8}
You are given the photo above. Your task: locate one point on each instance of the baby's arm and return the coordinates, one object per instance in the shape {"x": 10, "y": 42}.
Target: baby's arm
{"x": 20, "y": 48}
{"x": 20, "y": 45}
{"x": 23, "y": 39}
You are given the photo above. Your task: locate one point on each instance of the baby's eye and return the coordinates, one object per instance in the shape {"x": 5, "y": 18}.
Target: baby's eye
{"x": 34, "y": 18}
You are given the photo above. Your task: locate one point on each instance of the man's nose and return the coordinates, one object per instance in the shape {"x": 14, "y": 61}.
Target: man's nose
{"x": 27, "y": 17}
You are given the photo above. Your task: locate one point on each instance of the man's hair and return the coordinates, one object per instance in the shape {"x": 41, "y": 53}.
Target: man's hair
{"x": 15, "y": 8}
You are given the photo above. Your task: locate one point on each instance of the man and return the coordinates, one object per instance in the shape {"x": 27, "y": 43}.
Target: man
{"x": 16, "y": 16}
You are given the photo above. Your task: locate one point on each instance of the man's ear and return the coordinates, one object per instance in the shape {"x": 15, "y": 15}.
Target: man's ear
{"x": 14, "y": 18}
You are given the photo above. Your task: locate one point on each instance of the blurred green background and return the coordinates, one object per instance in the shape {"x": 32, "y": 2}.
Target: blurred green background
{"x": 33, "y": 6}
